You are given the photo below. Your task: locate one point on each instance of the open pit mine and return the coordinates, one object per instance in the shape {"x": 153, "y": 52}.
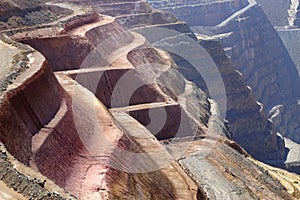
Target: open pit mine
{"x": 157, "y": 99}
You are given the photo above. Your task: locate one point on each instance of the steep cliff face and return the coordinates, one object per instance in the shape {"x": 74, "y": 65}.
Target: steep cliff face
{"x": 290, "y": 39}
{"x": 248, "y": 38}
{"x": 124, "y": 123}
{"x": 278, "y": 12}
{"x": 284, "y": 115}
{"x": 250, "y": 56}
{"x": 76, "y": 169}
{"x": 282, "y": 13}
{"x": 280, "y": 88}
{"x": 241, "y": 101}
{"x": 204, "y": 12}
{"x": 19, "y": 120}
{"x": 246, "y": 116}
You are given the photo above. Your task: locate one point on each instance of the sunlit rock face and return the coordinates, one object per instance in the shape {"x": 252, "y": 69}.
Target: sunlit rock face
{"x": 106, "y": 115}
{"x": 236, "y": 97}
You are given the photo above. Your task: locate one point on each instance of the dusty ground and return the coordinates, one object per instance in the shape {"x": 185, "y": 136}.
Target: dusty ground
{"x": 8, "y": 193}
{"x": 289, "y": 180}
{"x": 6, "y": 58}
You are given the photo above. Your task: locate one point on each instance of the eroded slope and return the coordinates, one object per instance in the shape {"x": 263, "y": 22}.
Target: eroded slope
{"x": 78, "y": 143}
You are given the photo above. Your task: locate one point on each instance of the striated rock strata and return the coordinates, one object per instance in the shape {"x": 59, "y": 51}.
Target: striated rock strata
{"x": 89, "y": 126}
{"x": 249, "y": 38}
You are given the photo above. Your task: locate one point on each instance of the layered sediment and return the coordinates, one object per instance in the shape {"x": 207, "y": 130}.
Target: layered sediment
{"x": 241, "y": 100}
{"x": 110, "y": 130}
{"x": 280, "y": 13}
{"x": 248, "y": 38}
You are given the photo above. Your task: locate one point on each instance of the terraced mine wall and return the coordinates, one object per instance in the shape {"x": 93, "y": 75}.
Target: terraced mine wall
{"x": 277, "y": 11}
{"x": 247, "y": 118}
{"x": 56, "y": 148}
{"x": 241, "y": 100}
{"x": 68, "y": 150}
{"x": 72, "y": 50}
{"x": 258, "y": 53}
{"x": 252, "y": 58}
{"x": 24, "y": 111}
{"x": 273, "y": 77}
{"x": 261, "y": 126}
{"x": 203, "y": 12}
{"x": 290, "y": 37}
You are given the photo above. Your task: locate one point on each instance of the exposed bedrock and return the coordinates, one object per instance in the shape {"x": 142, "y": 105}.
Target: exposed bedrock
{"x": 90, "y": 165}
{"x": 250, "y": 55}
{"x": 99, "y": 153}
{"x": 277, "y": 11}
{"x": 242, "y": 107}
{"x": 123, "y": 8}
{"x": 284, "y": 115}
{"x": 207, "y": 13}
{"x": 144, "y": 19}
{"x": 258, "y": 53}
{"x": 15, "y": 13}
{"x": 286, "y": 120}
{"x": 272, "y": 76}
{"x": 248, "y": 121}
{"x": 24, "y": 111}
{"x": 290, "y": 38}
{"x": 71, "y": 51}
{"x": 249, "y": 49}
{"x": 176, "y": 118}
{"x": 61, "y": 147}
{"x": 109, "y": 92}
{"x": 223, "y": 160}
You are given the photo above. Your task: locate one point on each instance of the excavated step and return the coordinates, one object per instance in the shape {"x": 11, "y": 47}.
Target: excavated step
{"x": 145, "y": 19}
{"x": 119, "y": 87}
{"x": 86, "y": 46}
{"x": 70, "y": 151}
{"x": 184, "y": 187}
{"x": 164, "y": 120}
{"x": 126, "y": 8}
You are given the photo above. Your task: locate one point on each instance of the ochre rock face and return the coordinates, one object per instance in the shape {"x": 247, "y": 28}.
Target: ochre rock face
{"x": 88, "y": 125}
{"x": 20, "y": 120}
